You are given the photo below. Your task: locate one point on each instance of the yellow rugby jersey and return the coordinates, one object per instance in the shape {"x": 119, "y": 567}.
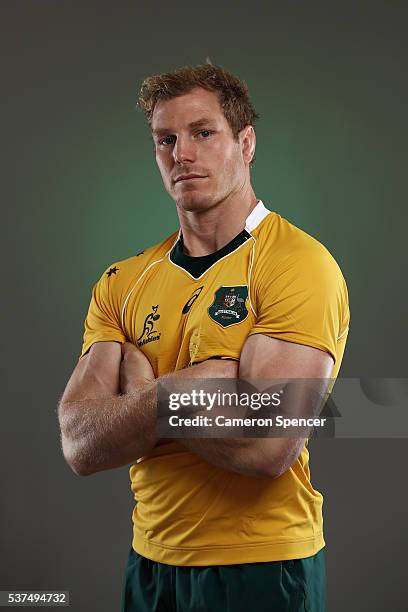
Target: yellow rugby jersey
{"x": 272, "y": 279}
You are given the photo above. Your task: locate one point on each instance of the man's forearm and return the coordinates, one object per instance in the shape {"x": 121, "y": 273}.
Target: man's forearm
{"x": 259, "y": 457}
{"x": 101, "y": 434}
{"x": 104, "y": 433}
{"x": 265, "y": 457}
{"x": 229, "y": 453}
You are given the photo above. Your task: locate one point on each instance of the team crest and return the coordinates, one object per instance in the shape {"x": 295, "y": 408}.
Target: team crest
{"x": 229, "y": 307}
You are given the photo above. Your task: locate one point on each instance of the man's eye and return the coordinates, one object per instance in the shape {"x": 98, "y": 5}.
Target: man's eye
{"x": 205, "y": 133}
{"x": 167, "y": 141}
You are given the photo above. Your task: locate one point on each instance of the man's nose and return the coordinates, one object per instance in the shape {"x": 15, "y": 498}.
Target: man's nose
{"x": 184, "y": 150}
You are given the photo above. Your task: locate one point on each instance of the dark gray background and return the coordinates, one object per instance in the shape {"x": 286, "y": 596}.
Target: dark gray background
{"x": 80, "y": 190}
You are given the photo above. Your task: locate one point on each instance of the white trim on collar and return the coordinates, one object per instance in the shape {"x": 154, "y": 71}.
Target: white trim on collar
{"x": 257, "y": 215}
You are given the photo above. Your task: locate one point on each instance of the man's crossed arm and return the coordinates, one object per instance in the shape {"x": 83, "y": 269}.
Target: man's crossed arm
{"x": 268, "y": 359}
{"x": 101, "y": 429}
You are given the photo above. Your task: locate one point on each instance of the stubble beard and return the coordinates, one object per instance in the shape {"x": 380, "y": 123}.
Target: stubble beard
{"x": 195, "y": 202}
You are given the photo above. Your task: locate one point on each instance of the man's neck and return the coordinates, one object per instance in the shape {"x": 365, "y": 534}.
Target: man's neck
{"x": 207, "y": 232}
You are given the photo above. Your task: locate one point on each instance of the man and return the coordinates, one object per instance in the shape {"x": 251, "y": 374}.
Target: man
{"x": 220, "y": 524}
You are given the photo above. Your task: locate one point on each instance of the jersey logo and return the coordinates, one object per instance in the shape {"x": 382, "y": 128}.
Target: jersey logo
{"x": 191, "y": 300}
{"x": 149, "y": 332}
{"x": 112, "y": 271}
{"x": 229, "y": 307}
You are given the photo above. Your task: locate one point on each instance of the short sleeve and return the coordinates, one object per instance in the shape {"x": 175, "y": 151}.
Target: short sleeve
{"x": 303, "y": 300}
{"x": 102, "y": 322}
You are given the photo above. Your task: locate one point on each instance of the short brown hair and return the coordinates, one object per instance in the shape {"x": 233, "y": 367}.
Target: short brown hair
{"x": 232, "y": 92}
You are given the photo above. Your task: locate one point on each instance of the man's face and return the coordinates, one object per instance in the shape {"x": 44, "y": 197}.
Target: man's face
{"x": 192, "y": 137}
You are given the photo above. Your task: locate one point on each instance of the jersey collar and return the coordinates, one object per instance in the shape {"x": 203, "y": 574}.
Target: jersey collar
{"x": 197, "y": 266}
{"x": 256, "y": 216}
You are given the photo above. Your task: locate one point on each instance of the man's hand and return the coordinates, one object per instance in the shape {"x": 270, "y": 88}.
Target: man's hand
{"x": 135, "y": 369}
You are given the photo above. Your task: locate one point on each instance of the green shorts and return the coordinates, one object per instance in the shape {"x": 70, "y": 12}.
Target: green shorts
{"x": 298, "y": 585}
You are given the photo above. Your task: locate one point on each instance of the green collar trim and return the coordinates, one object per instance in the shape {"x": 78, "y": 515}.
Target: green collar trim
{"x": 196, "y": 266}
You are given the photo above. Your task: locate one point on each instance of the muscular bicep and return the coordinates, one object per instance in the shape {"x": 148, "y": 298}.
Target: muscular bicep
{"x": 96, "y": 374}
{"x": 268, "y": 358}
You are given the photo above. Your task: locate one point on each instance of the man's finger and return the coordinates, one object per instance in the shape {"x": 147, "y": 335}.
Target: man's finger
{"x": 128, "y": 347}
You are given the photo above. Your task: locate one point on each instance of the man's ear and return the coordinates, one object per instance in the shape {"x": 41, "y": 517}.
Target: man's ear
{"x": 248, "y": 143}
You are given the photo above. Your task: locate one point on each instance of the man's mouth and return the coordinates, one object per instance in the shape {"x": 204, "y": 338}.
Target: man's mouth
{"x": 188, "y": 177}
